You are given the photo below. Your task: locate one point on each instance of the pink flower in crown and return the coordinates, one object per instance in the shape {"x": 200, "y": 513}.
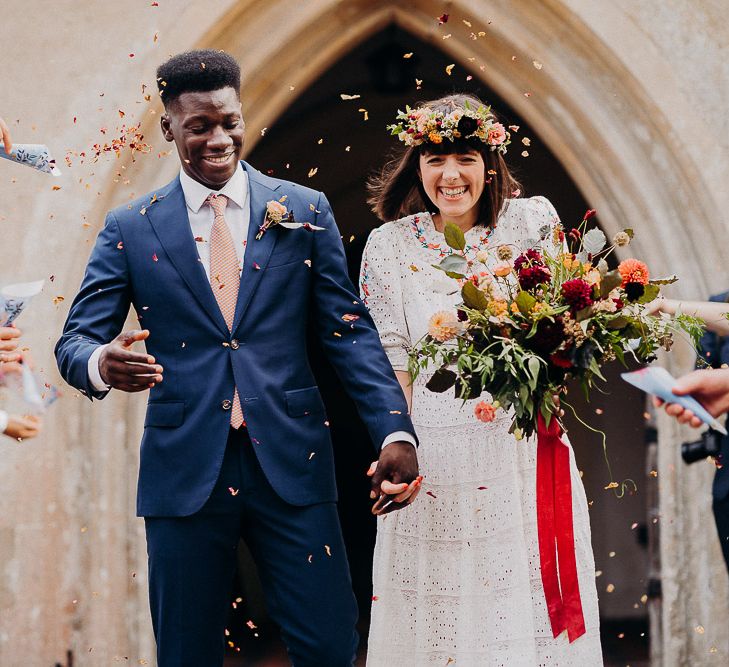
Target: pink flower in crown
{"x": 496, "y": 135}
{"x": 275, "y": 213}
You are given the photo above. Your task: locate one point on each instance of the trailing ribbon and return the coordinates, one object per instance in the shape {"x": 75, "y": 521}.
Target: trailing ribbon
{"x": 556, "y": 531}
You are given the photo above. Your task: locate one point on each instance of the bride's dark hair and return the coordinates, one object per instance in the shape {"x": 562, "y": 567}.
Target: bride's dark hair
{"x": 397, "y": 190}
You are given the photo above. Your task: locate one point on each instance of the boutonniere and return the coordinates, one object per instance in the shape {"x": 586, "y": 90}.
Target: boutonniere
{"x": 278, "y": 214}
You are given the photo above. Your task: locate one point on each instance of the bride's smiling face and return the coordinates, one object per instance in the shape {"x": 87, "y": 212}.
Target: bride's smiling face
{"x": 454, "y": 182}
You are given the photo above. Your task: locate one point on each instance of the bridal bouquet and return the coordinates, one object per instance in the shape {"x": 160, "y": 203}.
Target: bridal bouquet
{"x": 534, "y": 317}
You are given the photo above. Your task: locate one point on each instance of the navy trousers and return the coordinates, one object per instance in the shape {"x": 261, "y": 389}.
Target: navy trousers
{"x": 721, "y": 516}
{"x": 300, "y": 558}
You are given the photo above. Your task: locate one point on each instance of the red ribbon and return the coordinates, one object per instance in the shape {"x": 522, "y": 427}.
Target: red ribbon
{"x": 556, "y": 532}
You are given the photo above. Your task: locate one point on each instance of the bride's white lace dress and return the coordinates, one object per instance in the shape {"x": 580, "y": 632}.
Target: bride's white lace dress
{"x": 456, "y": 574}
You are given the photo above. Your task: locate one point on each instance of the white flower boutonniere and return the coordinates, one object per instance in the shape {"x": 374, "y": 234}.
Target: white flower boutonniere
{"x": 278, "y": 214}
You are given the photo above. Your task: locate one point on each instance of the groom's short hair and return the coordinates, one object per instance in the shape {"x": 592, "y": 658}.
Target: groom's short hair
{"x": 197, "y": 71}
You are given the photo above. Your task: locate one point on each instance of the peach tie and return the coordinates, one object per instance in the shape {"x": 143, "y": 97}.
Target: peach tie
{"x": 224, "y": 279}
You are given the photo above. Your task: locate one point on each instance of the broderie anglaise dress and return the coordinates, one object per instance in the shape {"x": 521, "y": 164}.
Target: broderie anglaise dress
{"x": 456, "y": 574}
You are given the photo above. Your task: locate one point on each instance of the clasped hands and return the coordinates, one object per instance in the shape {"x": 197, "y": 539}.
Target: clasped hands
{"x": 394, "y": 477}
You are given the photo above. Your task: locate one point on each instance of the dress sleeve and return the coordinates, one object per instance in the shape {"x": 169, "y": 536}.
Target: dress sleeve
{"x": 380, "y": 287}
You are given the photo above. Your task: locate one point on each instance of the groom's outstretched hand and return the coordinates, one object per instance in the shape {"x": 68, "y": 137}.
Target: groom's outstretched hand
{"x": 126, "y": 370}
{"x": 395, "y": 480}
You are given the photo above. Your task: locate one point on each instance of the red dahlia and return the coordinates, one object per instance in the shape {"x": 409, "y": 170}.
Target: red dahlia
{"x": 531, "y": 276}
{"x": 577, "y": 293}
{"x": 531, "y": 258}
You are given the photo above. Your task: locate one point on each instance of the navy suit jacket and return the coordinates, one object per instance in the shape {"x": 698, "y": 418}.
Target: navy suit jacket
{"x": 145, "y": 256}
{"x": 715, "y": 351}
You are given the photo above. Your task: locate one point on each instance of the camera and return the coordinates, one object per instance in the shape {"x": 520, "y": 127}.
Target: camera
{"x": 709, "y": 445}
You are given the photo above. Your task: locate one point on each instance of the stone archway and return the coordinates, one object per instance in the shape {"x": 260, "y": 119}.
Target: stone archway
{"x": 595, "y": 116}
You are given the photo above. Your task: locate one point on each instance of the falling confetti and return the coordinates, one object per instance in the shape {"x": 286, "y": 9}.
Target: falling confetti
{"x": 449, "y": 68}
{"x": 443, "y": 18}
{"x": 344, "y": 96}
{"x": 537, "y": 64}
{"x": 407, "y": 55}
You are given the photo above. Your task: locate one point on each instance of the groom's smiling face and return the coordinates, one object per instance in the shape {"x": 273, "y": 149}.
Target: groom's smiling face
{"x": 208, "y": 130}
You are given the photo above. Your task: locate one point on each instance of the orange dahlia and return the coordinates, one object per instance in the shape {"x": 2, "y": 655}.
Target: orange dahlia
{"x": 633, "y": 271}
{"x": 444, "y": 325}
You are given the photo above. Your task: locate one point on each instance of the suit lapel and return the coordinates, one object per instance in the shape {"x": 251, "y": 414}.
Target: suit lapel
{"x": 169, "y": 219}
{"x": 262, "y": 189}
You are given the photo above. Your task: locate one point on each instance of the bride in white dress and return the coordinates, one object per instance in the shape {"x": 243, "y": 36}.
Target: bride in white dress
{"x": 457, "y": 574}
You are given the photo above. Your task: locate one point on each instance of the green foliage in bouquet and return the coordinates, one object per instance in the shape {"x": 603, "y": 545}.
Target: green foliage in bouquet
{"x": 533, "y": 318}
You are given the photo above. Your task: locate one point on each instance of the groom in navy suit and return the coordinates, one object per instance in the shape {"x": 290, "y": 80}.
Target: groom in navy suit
{"x": 236, "y": 441}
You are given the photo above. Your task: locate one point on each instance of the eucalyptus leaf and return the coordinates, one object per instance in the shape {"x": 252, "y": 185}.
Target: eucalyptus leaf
{"x": 584, "y": 314}
{"x": 602, "y": 267}
{"x": 618, "y": 322}
{"x": 454, "y": 236}
{"x": 473, "y": 297}
{"x": 582, "y": 256}
{"x": 529, "y": 243}
{"x": 594, "y": 241}
{"x": 453, "y": 263}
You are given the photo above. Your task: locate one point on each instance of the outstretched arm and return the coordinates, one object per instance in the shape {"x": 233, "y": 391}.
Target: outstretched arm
{"x": 96, "y": 318}
{"x": 710, "y": 387}
{"x": 712, "y": 312}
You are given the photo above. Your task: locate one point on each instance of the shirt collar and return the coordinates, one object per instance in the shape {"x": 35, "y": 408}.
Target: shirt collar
{"x": 236, "y": 189}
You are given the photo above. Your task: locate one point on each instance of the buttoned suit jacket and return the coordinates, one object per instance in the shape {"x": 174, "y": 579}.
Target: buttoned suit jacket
{"x": 145, "y": 256}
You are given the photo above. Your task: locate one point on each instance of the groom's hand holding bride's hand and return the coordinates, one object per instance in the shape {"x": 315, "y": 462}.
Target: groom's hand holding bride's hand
{"x": 394, "y": 478}
{"x": 123, "y": 369}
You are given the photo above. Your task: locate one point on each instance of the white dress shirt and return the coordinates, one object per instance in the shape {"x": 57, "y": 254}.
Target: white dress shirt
{"x": 201, "y": 217}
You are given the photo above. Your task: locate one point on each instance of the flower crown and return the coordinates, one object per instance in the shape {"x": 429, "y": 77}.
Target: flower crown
{"x": 416, "y": 126}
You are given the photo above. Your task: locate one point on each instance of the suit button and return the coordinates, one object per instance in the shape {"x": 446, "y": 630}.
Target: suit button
{"x": 234, "y": 344}
{"x": 226, "y": 404}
